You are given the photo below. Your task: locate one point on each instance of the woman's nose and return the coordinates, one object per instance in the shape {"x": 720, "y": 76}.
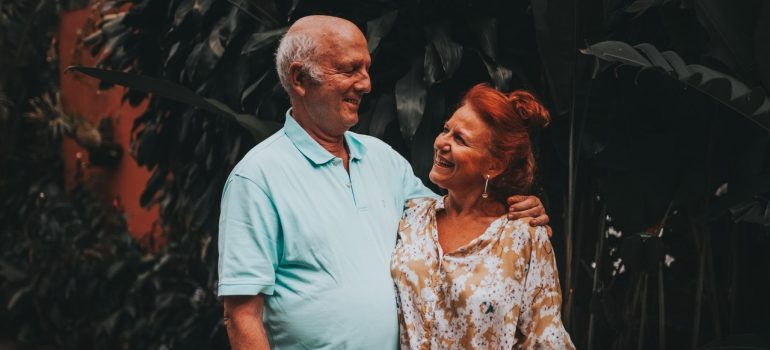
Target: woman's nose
{"x": 441, "y": 143}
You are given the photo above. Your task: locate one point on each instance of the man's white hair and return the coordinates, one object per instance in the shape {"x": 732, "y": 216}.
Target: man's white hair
{"x": 297, "y": 47}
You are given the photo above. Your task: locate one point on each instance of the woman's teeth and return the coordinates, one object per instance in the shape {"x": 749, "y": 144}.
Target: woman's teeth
{"x": 443, "y": 163}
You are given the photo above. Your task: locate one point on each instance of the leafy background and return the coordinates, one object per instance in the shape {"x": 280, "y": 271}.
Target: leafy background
{"x": 655, "y": 169}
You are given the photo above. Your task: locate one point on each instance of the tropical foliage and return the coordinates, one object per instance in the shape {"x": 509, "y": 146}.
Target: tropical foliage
{"x": 655, "y": 168}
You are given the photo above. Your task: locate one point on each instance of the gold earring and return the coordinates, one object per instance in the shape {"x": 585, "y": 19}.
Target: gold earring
{"x": 486, "y": 183}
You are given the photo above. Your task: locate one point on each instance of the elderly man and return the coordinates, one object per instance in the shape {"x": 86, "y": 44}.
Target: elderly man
{"x": 309, "y": 216}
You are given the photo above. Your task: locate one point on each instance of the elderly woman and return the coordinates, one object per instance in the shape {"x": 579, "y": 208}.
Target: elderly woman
{"x": 466, "y": 275}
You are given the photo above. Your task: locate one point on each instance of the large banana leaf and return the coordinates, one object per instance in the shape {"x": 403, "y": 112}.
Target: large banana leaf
{"x": 753, "y": 104}
{"x": 410, "y": 99}
{"x": 166, "y": 89}
{"x": 378, "y": 28}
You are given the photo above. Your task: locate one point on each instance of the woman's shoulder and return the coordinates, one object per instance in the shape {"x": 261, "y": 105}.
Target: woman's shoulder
{"x": 520, "y": 230}
{"x": 418, "y": 209}
{"x": 417, "y": 204}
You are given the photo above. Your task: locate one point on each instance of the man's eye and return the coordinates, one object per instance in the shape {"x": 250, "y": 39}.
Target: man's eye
{"x": 460, "y": 140}
{"x": 444, "y": 130}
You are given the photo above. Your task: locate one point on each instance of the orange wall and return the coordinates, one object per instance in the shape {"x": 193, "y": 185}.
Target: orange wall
{"x": 123, "y": 184}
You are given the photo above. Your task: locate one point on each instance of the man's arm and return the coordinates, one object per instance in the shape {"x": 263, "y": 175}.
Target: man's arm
{"x": 243, "y": 319}
{"x": 249, "y": 250}
{"x": 527, "y": 207}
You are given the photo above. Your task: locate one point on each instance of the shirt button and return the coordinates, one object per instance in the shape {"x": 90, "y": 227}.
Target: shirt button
{"x": 336, "y": 162}
{"x": 348, "y": 185}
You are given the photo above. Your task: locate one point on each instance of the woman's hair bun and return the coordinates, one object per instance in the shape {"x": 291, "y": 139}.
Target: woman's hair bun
{"x": 530, "y": 110}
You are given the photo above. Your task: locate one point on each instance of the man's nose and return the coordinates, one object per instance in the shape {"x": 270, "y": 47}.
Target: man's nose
{"x": 364, "y": 83}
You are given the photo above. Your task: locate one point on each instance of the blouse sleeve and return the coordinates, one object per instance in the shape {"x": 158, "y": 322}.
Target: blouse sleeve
{"x": 540, "y": 319}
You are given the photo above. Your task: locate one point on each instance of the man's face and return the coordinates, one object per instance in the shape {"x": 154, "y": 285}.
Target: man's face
{"x": 344, "y": 62}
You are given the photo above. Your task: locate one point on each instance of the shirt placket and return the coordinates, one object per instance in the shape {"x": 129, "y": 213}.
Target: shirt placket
{"x": 351, "y": 181}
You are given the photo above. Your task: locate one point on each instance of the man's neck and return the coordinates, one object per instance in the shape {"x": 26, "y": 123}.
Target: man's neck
{"x": 335, "y": 144}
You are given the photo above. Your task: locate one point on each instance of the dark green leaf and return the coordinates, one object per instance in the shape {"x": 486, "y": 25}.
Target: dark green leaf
{"x": 162, "y": 88}
{"x": 450, "y": 53}
{"x": 384, "y": 113}
{"x": 617, "y": 51}
{"x": 10, "y": 272}
{"x": 258, "y": 88}
{"x": 20, "y": 293}
{"x": 721, "y": 87}
{"x": 154, "y": 183}
{"x": 731, "y": 87}
{"x": 500, "y": 76}
{"x": 639, "y": 7}
{"x": 410, "y": 98}
{"x": 761, "y": 48}
{"x": 199, "y": 64}
{"x": 216, "y": 38}
{"x": 115, "y": 268}
{"x": 555, "y": 33}
{"x": 655, "y": 57}
{"x": 431, "y": 65}
{"x": 259, "y": 41}
{"x": 731, "y": 27}
{"x": 680, "y": 68}
{"x": 147, "y": 149}
{"x": 378, "y": 28}
{"x": 182, "y": 11}
{"x": 485, "y": 30}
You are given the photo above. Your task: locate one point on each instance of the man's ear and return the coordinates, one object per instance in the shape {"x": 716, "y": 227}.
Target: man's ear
{"x": 298, "y": 80}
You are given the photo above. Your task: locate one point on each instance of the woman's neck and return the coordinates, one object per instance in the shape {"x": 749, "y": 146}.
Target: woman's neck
{"x": 471, "y": 204}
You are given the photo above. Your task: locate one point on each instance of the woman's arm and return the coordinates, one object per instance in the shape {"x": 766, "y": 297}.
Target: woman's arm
{"x": 540, "y": 319}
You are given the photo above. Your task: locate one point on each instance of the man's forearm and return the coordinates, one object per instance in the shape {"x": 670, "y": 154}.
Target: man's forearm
{"x": 247, "y": 334}
{"x": 243, "y": 319}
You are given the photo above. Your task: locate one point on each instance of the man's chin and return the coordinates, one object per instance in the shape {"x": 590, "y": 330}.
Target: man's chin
{"x": 351, "y": 121}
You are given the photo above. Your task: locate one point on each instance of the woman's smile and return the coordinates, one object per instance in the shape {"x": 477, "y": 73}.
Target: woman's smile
{"x": 442, "y": 162}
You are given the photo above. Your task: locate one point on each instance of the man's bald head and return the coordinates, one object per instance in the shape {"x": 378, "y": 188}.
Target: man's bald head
{"x": 303, "y": 40}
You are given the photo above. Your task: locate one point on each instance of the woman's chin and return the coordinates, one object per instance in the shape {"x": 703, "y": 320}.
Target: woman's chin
{"x": 437, "y": 178}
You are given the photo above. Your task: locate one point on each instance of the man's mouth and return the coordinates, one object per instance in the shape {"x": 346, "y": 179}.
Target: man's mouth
{"x": 440, "y": 161}
{"x": 353, "y": 101}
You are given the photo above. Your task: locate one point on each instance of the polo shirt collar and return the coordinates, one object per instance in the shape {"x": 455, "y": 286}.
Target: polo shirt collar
{"x": 312, "y": 150}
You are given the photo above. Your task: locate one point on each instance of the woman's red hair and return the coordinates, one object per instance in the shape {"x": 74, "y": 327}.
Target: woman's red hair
{"x": 510, "y": 117}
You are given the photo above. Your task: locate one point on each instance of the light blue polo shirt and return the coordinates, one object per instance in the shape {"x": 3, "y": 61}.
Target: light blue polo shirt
{"x": 316, "y": 241}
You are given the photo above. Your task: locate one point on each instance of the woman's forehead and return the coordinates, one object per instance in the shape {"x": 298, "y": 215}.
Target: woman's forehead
{"x": 467, "y": 121}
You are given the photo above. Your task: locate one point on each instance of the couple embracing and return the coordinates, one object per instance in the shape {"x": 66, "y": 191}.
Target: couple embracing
{"x": 328, "y": 240}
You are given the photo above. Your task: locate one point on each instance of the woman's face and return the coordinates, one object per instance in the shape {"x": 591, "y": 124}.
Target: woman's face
{"x": 461, "y": 153}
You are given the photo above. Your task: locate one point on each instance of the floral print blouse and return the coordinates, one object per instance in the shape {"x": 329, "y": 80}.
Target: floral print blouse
{"x": 500, "y": 291}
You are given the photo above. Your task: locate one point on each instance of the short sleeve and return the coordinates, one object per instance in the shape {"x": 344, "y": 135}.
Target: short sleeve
{"x": 411, "y": 185}
{"x": 250, "y": 241}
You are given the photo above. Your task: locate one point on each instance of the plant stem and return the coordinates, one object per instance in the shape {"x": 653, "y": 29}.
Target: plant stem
{"x": 568, "y": 227}
{"x": 597, "y": 271}
{"x": 661, "y": 310}
{"x": 698, "y": 290}
{"x": 714, "y": 296}
{"x": 643, "y": 319}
